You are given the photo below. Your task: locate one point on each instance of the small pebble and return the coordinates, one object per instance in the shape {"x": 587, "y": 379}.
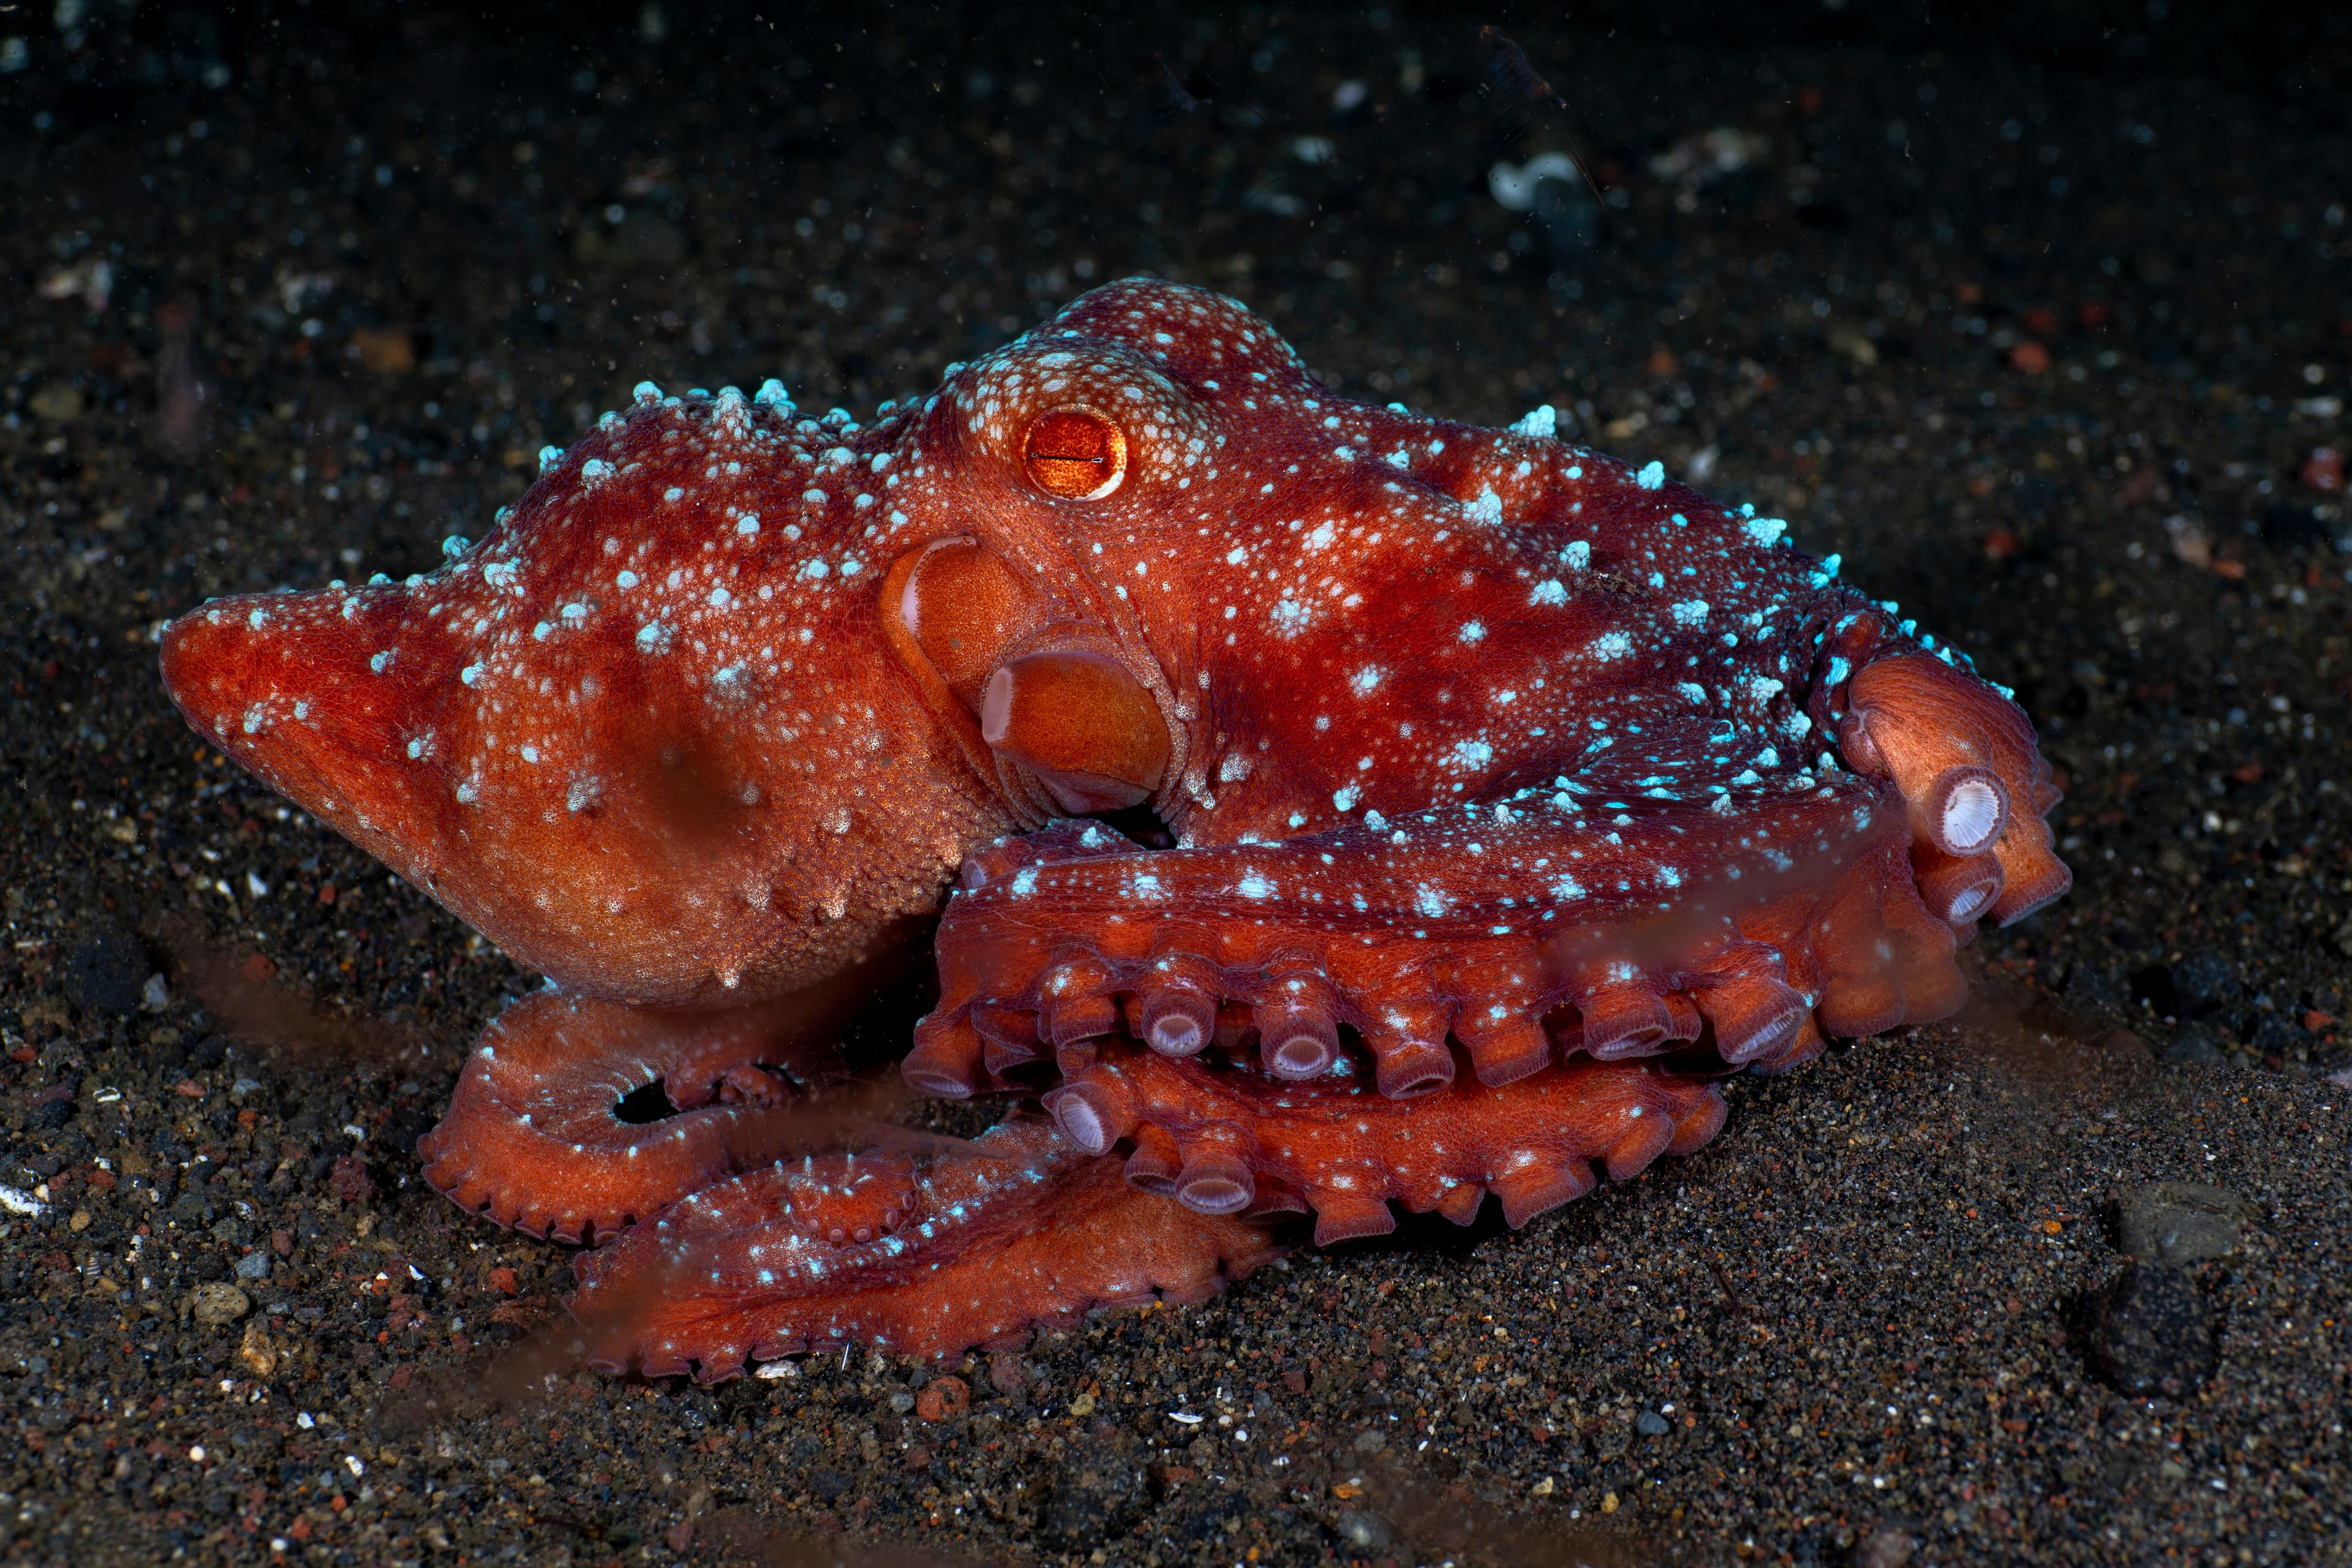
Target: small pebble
{"x": 349, "y": 1181}
{"x": 943, "y": 1399}
{"x": 1650, "y": 1423}
{"x": 2192, "y": 1044}
{"x": 1887, "y": 1544}
{"x": 2148, "y": 1331}
{"x": 58, "y": 402}
{"x": 216, "y": 1305}
{"x": 107, "y": 971}
{"x": 1368, "y": 1532}
{"x": 2179, "y": 1222}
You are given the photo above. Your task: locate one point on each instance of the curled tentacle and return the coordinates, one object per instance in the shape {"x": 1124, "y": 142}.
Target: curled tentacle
{"x": 1214, "y": 1139}
{"x": 1395, "y": 958}
{"x": 1020, "y": 1229}
{"x": 1937, "y": 732}
{"x": 534, "y": 1137}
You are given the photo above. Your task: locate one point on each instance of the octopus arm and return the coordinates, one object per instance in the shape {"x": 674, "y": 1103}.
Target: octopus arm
{"x": 536, "y": 1137}
{"x": 1964, "y": 758}
{"x": 1239, "y": 1142}
{"x": 1020, "y": 1231}
{"x": 1515, "y": 933}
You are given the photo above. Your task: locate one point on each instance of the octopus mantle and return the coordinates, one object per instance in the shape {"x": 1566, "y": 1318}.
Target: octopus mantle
{"x": 1490, "y": 800}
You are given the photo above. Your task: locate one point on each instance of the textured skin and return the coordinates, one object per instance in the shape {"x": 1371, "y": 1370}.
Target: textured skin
{"x": 1480, "y": 755}
{"x": 1019, "y": 1234}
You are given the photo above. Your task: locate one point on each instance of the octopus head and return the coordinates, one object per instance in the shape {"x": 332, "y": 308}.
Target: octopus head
{"x": 648, "y": 735}
{"x": 1096, "y": 475}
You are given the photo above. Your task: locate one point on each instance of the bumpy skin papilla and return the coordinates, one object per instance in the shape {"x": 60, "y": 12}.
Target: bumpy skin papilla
{"x": 1482, "y": 757}
{"x": 1021, "y": 1232}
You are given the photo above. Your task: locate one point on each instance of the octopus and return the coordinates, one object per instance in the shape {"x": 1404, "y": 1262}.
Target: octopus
{"x": 1313, "y": 810}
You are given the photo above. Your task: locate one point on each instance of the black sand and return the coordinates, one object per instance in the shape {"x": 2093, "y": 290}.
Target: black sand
{"x": 2041, "y": 332}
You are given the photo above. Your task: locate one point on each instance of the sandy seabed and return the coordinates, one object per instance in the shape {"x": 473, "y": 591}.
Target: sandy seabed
{"x": 2046, "y": 342}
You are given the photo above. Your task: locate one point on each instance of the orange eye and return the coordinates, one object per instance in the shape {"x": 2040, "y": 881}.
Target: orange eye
{"x": 1075, "y": 454}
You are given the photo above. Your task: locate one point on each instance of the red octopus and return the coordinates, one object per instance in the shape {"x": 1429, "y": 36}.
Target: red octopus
{"x": 1490, "y": 798}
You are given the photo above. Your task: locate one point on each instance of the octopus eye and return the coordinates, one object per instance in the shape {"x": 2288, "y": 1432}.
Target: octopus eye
{"x": 1075, "y": 454}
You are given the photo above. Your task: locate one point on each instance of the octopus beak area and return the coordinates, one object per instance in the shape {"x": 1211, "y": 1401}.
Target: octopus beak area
{"x": 295, "y": 688}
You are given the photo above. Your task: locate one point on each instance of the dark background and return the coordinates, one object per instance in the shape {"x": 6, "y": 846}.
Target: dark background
{"x": 2037, "y": 315}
